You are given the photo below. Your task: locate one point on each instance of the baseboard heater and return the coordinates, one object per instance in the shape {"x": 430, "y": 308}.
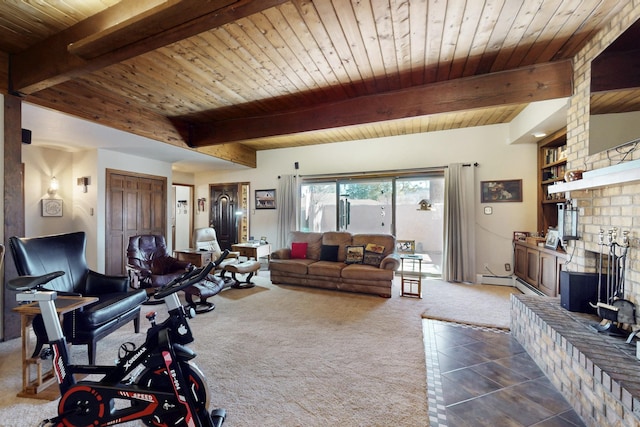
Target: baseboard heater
{"x": 487, "y": 279}
{"x": 526, "y": 288}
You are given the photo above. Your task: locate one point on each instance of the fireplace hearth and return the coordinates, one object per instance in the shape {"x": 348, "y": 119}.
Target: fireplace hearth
{"x": 596, "y": 372}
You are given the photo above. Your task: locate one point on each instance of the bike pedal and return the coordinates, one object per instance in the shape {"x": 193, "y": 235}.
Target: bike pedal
{"x": 218, "y": 416}
{"x": 46, "y": 353}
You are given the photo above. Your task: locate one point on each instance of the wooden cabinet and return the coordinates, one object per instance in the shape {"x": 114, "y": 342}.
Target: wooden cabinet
{"x": 520, "y": 267}
{"x": 539, "y": 267}
{"x": 552, "y": 164}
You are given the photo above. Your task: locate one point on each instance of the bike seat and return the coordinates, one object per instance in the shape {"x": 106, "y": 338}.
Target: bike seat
{"x": 25, "y": 283}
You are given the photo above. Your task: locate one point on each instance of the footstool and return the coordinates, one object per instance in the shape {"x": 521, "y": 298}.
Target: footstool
{"x": 209, "y": 287}
{"x": 247, "y": 267}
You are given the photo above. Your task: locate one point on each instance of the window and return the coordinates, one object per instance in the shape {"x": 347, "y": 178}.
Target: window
{"x": 365, "y": 206}
{"x": 410, "y": 207}
{"x": 318, "y": 207}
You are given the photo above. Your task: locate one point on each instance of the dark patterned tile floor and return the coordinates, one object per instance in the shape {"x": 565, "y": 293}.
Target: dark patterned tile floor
{"x": 483, "y": 377}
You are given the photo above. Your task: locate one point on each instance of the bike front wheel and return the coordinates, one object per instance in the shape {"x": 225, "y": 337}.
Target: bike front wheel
{"x": 171, "y": 413}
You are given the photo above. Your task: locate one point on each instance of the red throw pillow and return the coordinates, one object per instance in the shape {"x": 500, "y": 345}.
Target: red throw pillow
{"x": 299, "y": 250}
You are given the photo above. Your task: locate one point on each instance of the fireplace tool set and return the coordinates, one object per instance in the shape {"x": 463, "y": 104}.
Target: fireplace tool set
{"x": 617, "y": 313}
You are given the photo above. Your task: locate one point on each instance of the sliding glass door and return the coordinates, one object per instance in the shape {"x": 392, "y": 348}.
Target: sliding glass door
{"x": 409, "y": 207}
{"x": 419, "y": 211}
{"x": 318, "y": 206}
{"x": 365, "y": 206}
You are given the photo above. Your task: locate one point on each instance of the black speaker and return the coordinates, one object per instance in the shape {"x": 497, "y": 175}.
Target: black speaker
{"x": 577, "y": 290}
{"x": 26, "y": 136}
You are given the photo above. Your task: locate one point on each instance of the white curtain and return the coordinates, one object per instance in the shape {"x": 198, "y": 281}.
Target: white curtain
{"x": 286, "y": 205}
{"x": 459, "y": 260}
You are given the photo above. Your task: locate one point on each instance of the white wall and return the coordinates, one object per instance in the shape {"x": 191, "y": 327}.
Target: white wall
{"x": 81, "y": 211}
{"x": 486, "y": 145}
{"x": 40, "y": 164}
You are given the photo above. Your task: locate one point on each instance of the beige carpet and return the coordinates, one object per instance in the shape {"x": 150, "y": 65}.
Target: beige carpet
{"x": 484, "y": 305}
{"x": 287, "y": 356}
{"x": 292, "y": 356}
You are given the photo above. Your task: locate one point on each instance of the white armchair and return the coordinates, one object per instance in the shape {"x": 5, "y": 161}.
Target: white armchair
{"x": 205, "y": 239}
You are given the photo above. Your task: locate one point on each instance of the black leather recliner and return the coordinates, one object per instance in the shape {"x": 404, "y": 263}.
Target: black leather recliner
{"x": 117, "y": 303}
{"x": 149, "y": 263}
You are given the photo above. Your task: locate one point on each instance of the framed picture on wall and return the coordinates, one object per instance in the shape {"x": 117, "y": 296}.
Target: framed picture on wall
{"x": 265, "y": 199}
{"x": 51, "y": 207}
{"x": 501, "y": 191}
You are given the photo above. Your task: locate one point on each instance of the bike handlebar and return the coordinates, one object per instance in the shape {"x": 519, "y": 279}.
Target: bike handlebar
{"x": 189, "y": 278}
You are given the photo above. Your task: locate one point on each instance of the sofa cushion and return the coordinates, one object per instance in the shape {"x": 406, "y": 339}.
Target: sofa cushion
{"x": 299, "y": 250}
{"x": 355, "y": 254}
{"x": 313, "y": 240}
{"x": 340, "y": 238}
{"x": 296, "y": 266}
{"x": 388, "y": 241}
{"x": 365, "y": 272}
{"x": 373, "y": 254}
{"x": 329, "y": 253}
{"x": 326, "y": 269}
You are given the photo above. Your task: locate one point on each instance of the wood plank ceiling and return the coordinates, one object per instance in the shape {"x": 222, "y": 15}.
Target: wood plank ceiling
{"x": 230, "y": 77}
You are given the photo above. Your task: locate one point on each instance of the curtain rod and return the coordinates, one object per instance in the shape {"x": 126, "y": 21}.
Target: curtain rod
{"x": 387, "y": 172}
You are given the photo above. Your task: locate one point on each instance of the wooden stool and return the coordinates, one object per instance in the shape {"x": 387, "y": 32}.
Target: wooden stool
{"x": 249, "y": 267}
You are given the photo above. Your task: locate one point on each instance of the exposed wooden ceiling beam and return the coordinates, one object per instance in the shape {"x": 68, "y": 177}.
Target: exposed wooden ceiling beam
{"x": 135, "y": 119}
{"x": 528, "y": 84}
{"x": 132, "y": 21}
{"x": 51, "y": 62}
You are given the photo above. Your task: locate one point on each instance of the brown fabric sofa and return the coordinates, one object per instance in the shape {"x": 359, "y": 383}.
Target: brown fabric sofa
{"x": 316, "y": 272}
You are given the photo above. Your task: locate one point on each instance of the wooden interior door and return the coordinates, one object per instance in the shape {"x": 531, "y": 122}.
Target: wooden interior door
{"x": 222, "y": 214}
{"x": 136, "y": 204}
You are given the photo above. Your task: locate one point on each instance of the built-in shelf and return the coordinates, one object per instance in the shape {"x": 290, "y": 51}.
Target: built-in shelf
{"x": 612, "y": 175}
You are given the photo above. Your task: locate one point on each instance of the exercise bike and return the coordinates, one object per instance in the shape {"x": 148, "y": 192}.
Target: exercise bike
{"x": 157, "y": 382}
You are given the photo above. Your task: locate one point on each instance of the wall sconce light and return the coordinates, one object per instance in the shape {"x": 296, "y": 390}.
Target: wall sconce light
{"x": 53, "y": 186}
{"x": 84, "y": 183}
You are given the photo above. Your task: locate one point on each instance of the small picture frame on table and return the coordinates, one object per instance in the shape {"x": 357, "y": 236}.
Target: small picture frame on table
{"x": 405, "y": 246}
{"x": 520, "y": 235}
{"x": 552, "y": 240}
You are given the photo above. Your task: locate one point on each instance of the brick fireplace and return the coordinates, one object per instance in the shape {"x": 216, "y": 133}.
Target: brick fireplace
{"x": 598, "y": 374}
{"x": 610, "y": 206}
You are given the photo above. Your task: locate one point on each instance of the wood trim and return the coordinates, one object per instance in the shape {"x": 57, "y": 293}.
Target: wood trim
{"x": 14, "y": 223}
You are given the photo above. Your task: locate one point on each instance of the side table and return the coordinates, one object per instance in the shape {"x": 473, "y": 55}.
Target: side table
{"x": 38, "y": 387}
{"x": 411, "y": 286}
{"x": 253, "y": 250}
{"x": 196, "y": 257}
